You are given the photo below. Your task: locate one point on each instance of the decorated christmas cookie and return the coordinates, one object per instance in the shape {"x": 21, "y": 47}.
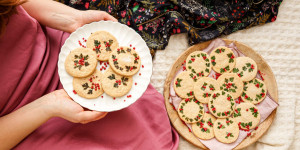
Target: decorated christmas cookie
{"x": 204, "y": 128}
{"x": 222, "y": 59}
{"x": 204, "y": 87}
{"x": 184, "y": 84}
{"x": 232, "y": 83}
{"x": 190, "y": 110}
{"x": 198, "y": 63}
{"x": 103, "y": 43}
{"x": 81, "y": 62}
{"x": 226, "y": 130}
{"x": 115, "y": 85}
{"x": 254, "y": 91}
{"x": 245, "y": 68}
{"x": 246, "y": 115}
{"x": 125, "y": 61}
{"x": 89, "y": 87}
{"x": 221, "y": 104}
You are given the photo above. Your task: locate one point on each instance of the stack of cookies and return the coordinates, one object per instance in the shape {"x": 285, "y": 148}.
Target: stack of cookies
{"x": 116, "y": 81}
{"x": 224, "y": 118}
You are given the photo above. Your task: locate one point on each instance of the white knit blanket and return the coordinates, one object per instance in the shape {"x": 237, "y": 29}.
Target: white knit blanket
{"x": 279, "y": 44}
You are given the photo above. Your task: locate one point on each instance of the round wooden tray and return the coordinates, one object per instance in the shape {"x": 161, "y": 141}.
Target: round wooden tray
{"x": 268, "y": 76}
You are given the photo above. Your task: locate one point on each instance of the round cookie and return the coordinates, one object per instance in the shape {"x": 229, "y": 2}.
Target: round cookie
{"x": 81, "y": 62}
{"x": 184, "y": 84}
{"x": 226, "y": 130}
{"x": 103, "y": 43}
{"x": 190, "y": 110}
{"x": 254, "y": 91}
{"x": 89, "y": 87}
{"x": 245, "y": 68}
{"x": 232, "y": 83}
{"x": 246, "y": 115}
{"x": 221, "y": 104}
{"x": 204, "y": 128}
{"x": 115, "y": 85}
{"x": 125, "y": 61}
{"x": 204, "y": 87}
{"x": 222, "y": 59}
{"x": 198, "y": 63}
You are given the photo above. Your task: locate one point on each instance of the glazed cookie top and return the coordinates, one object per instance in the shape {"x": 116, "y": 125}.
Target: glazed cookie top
{"x": 190, "y": 110}
{"x": 184, "y": 84}
{"x": 198, "y": 63}
{"x": 103, "y": 43}
{"x": 125, "y": 61}
{"x": 245, "y": 68}
{"x": 204, "y": 128}
{"x": 254, "y": 91}
{"x": 89, "y": 87}
{"x": 221, "y": 104}
{"x": 81, "y": 62}
{"x": 246, "y": 115}
{"x": 222, "y": 59}
{"x": 204, "y": 87}
{"x": 232, "y": 83}
{"x": 115, "y": 85}
{"x": 226, "y": 130}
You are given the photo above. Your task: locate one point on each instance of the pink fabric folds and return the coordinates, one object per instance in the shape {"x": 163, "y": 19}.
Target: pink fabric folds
{"x": 265, "y": 108}
{"x": 29, "y": 55}
{"x": 143, "y": 125}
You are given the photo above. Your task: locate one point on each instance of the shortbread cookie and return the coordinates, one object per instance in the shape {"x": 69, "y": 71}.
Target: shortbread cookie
{"x": 221, "y": 104}
{"x": 81, "y": 62}
{"x": 125, "y": 61}
{"x": 254, "y": 91}
{"x": 103, "y": 43}
{"x": 247, "y": 116}
{"x": 232, "y": 83}
{"x": 222, "y": 59}
{"x": 184, "y": 84}
{"x": 245, "y": 68}
{"x": 89, "y": 87}
{"x": 204, "y": 87}
{"x": 115, "y": 85}
{"x": 204, "y": 128}
{"x": 226, "y": 130}
{"x": 198, "y": 63}
{"x": 190, "y": 110}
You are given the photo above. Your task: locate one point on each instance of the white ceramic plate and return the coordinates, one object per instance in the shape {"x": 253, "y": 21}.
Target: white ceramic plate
{"x": 126, "y": 37}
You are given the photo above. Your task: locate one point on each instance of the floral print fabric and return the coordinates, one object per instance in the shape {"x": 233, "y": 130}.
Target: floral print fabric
{"x": 157, "y": 20}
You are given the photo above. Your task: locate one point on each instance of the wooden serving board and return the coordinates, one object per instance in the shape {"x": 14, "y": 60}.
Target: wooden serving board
{"x": 269, "y": 80}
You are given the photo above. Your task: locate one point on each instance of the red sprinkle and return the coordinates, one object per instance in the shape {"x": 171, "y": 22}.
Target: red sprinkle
{"x": 256, "y": 128}
{"x": 142, "y": 66}
{"x": 114, "y": 98}
{"x": 262, "y": 78}
{"x": 135, "y": 83}
{"x": 74, "y": 92}
{"x": 249, "y": 134}
{"x": 140, "y": 74}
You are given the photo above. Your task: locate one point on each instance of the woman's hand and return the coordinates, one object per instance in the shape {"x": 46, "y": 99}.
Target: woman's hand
{"x": 59, "y": 16}
{"x": 59, "y": 104}
{"x": 85, "y": 17}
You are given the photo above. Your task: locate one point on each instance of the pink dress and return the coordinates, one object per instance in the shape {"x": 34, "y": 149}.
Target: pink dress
{"x": 29, "y": 54}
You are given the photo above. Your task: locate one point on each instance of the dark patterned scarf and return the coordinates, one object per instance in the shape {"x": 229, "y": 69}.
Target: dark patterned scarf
{"x": 157, "y": 20}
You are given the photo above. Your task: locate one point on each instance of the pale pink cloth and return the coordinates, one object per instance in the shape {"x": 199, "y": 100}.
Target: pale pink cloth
{"x": 265, "y": 108}
{"x": 29, "y": 54}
